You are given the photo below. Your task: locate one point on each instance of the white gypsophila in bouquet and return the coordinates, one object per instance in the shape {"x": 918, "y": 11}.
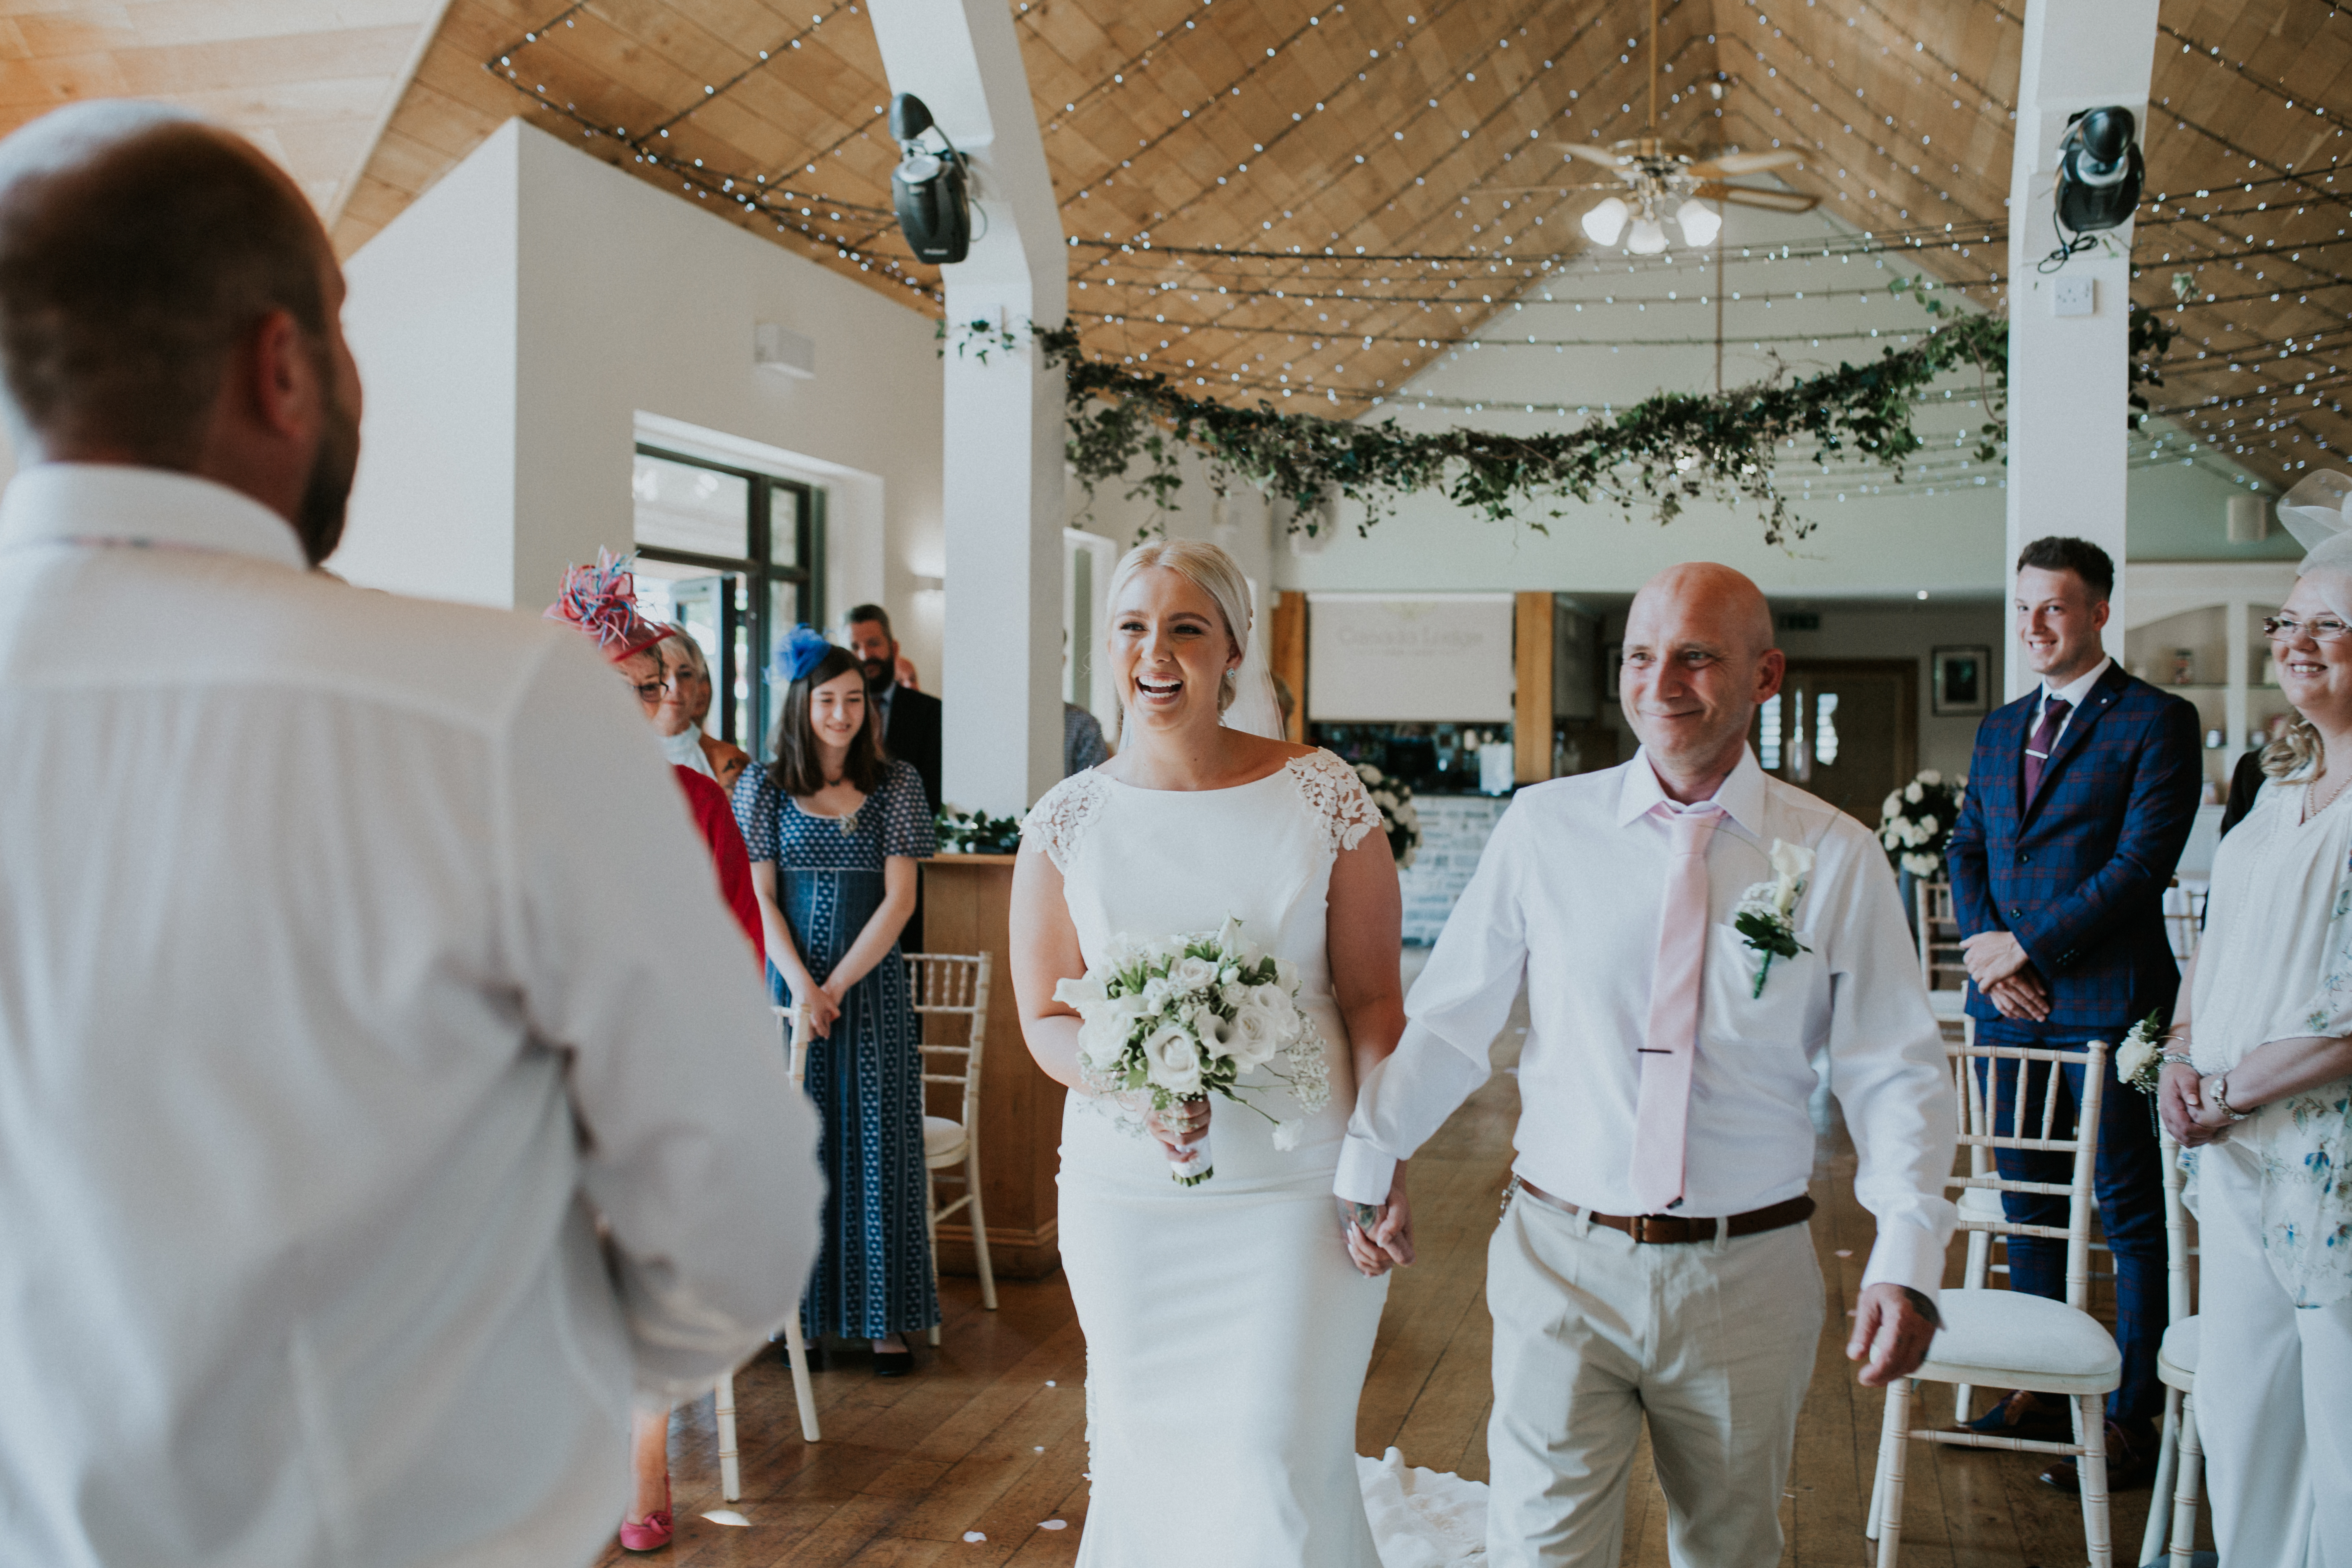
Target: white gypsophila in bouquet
{"x": 1171, "y": 1021}
{"x": 1398, "y": 820}
{"x": 1915, "y": 822}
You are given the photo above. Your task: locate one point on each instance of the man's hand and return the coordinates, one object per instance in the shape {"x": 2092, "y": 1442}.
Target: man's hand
{"x": 1890, "y": 1328}
{"x": 1386, "y": 1242}
{"x": 1992, "y": 955}
{"x": 2020, "y": 995}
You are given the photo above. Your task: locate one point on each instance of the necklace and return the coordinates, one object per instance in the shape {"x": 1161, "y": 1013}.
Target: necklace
{"x": 2313, "y": 805}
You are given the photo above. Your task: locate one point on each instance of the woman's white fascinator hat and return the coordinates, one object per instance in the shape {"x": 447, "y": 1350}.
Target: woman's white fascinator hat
{"x": 2318, "y": 512}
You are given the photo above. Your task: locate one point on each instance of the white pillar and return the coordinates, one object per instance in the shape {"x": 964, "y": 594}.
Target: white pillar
{"x": 2068, "y": 375}
{"x": 1001, "y": 473}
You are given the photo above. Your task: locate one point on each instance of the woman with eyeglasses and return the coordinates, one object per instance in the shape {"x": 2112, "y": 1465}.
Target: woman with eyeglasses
{"x": 684, "y": 705}
{"x": 834, "y": 829}
{"x": 2258, "y": 1087}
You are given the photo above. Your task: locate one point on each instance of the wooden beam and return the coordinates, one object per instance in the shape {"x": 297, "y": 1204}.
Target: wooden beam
{"x": 1531, "y": 646}
{"x": 1285, "y": 655}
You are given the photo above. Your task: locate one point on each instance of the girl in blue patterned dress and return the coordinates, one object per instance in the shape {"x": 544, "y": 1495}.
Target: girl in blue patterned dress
{"x": 835, "y": 828}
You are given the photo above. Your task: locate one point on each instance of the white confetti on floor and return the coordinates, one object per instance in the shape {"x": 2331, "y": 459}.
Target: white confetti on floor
{"x": 973, "y": 1535}
{"x": 727, "y": 1516}
{"x": 1054, "y": 1524}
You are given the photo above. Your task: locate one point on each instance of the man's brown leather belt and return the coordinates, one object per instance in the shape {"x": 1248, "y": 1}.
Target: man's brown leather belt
{"x": 1669, "y": 1228}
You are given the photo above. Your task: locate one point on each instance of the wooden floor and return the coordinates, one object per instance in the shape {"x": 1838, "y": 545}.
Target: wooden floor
{"x": 988, "y": 1436}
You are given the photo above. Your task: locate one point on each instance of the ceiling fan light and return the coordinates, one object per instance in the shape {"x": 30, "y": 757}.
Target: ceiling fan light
{"x": 1605, "y": 221}
{"x": 1647, "y": 237}
{"x": 1701, "y": 223}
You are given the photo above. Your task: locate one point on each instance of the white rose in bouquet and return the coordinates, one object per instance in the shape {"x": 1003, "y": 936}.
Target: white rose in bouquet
{"x": 1191, "y": 974}
{"x": 1173, "y": 1060}
{"x": 1912, "y": 792}
{"x": 1257, "y": 1036}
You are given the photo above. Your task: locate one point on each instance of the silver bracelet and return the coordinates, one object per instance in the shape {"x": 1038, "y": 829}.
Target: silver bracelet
{"x": 2180, "y": 1058}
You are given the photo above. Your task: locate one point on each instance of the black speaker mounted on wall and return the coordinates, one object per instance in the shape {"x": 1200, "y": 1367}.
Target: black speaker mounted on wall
{"x": 931, "y": 191}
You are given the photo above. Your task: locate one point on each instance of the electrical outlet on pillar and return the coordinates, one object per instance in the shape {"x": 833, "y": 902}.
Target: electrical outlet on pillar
{"x": 2073, "y": 296}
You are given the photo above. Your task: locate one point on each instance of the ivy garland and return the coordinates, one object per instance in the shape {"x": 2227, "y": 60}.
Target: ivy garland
{"x": 1660, "y": 453}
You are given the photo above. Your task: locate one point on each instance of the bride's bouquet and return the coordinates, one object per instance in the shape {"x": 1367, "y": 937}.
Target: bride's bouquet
{"x": 1168, "y": 1022}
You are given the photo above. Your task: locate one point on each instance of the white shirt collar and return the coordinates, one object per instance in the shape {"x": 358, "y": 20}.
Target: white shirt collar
{"x": 1741, "y": 794}
{"x": 108, "y": 503}
{"x": 2074, "y": 690}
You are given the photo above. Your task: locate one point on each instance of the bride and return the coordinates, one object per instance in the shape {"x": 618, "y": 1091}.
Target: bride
{"x": 1228, "y": 1325}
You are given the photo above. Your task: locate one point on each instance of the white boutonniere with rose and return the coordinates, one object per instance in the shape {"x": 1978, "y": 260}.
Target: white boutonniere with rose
{"x": 1765, "y": 914}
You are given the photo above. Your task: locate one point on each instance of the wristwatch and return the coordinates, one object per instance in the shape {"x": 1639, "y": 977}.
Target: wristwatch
{"x": 2220, "y": 1082}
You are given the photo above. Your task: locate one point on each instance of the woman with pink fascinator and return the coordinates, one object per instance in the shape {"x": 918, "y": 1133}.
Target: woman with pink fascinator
{"x": 600, "y": 601}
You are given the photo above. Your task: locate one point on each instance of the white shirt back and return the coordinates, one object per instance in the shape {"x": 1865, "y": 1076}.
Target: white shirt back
{"x": 355, "y": 954}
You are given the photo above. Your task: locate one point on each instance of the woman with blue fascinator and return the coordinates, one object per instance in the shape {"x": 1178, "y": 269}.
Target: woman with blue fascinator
{"x": 834, "y": 829}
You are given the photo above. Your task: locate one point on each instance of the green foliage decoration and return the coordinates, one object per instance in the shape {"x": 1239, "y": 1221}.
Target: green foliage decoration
{"x": 1657, "y": 454}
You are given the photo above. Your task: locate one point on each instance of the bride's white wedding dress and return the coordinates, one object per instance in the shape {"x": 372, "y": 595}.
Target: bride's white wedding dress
{"x": 1227, "y": 1333}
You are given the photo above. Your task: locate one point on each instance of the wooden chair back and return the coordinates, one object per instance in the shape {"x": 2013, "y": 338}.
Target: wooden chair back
{"x": 2179, "y": 1271}
{"x": 793, "y": 1025}
{"x": 954, "y": 987}
{"x": 2032, "y": 1123}
{"x": 1942, "y": 964}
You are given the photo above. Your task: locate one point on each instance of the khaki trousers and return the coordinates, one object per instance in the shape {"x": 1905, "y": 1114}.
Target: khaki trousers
{"x": 1712, "y": 1340}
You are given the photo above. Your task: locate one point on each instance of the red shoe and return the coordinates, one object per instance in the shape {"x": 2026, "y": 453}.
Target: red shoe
{"x": 652, "y": 1532}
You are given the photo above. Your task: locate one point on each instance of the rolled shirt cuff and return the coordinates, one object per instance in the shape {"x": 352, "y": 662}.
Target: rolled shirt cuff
{"x": 1365, "y": 1174}
{"x": 1906, "y": 1255}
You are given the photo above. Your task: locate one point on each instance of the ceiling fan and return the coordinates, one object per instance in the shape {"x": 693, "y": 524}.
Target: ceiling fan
{"x": 1664, "y": 178}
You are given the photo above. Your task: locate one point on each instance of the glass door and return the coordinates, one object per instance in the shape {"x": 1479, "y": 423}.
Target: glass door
{"x": 735, "y": 556}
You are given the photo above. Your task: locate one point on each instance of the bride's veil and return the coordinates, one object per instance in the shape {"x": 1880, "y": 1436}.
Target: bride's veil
{"x": 1255, "y": 708}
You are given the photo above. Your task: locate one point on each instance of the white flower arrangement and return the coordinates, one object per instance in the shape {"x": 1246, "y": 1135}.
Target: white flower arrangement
{"x": 1916, "y": 822}
{"x": 1171, "y": 1021}
{"x": 2139, "y": 1060}
{"x": 1766, "y": 913}
{"x": 1398, "y": 820}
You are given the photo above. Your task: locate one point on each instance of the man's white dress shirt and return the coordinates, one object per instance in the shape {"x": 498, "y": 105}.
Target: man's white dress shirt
{"x": 1568, "y": 894}
{"x": 356, "y": 955}
{"x": 2071, "y": 694}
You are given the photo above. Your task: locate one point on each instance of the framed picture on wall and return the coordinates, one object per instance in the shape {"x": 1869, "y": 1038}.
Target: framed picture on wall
{"x": 1612, "y": 656}
{"x": 1961, "y": 682}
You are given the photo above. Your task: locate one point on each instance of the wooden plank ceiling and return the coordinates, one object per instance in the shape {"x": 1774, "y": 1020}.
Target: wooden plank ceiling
{"x": 1304, "y": 199}
{"x": 310, "y": 83}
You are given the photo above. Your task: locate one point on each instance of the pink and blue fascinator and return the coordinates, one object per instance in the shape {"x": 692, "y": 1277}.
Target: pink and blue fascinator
{"x": 602, "y": 601}
{"x": 798, "y": 652}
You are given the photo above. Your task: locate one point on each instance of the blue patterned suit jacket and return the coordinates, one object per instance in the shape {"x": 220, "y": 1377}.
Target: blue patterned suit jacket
{"x": 2079, "y": 877}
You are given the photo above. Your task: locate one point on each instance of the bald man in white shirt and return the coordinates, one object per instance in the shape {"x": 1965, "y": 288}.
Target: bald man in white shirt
{"x": 357, "y": 957}
{"x": 1653, "y": 1259}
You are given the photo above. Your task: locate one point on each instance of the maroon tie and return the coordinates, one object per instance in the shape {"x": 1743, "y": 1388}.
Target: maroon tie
{"x": 2044, "y": 742}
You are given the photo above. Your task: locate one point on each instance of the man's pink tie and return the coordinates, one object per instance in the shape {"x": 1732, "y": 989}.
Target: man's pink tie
{"x": 1670, "y": 1045}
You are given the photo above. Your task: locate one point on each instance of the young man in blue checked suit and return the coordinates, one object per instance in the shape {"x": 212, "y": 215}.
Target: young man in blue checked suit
{"x": 2081, "y": 795}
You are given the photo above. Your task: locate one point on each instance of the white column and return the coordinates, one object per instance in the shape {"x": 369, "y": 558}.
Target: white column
{"x": 1001, "y": 473}
{"x": 2068, "y": 375}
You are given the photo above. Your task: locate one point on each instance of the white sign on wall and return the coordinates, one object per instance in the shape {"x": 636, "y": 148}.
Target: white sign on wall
{"x": 1396, "y": 659}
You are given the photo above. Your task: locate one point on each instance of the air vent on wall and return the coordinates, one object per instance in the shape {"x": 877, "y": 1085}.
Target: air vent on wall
{"x": 781, "y": 349}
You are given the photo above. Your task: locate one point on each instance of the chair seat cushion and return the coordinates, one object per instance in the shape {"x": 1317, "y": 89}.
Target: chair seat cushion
{"x": 942, "y": 1141}
{"x": 2176, "y": 1359}
{"x": 2010, "y": 1338}
{"x": 1979, "y": 1203}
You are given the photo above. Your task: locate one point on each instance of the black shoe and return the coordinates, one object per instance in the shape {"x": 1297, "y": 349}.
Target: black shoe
{"x": 2131, "y": 1460}
{"x": 2035, "y": 1418}
{"x": 893, "y": 1363}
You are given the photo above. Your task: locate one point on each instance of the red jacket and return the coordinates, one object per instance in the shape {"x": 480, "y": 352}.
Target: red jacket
{"x": 715, "y": 816}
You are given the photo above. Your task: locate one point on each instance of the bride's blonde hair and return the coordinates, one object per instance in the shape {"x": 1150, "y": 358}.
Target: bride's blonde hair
{"x": 1208, "y": 568}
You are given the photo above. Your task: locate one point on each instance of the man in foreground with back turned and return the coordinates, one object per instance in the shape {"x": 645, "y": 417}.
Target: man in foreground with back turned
{"x": 330, "y": 1020}
{"x": 1702, "y": 944}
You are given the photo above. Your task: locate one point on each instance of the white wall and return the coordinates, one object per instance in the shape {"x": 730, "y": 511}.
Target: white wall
{"x": 513, "y": 325}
